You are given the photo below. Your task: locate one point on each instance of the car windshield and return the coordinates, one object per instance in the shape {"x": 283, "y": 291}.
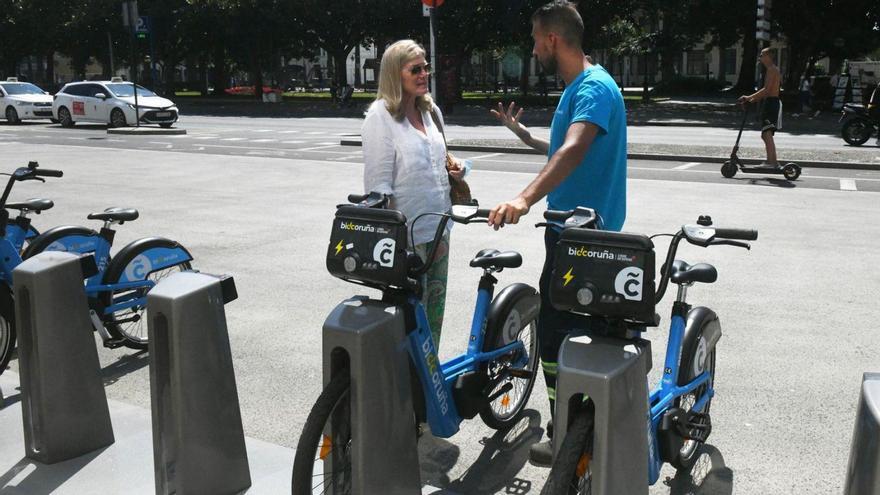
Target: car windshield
{"x": 125, "y": 89}
{"x": 22, "y": 89}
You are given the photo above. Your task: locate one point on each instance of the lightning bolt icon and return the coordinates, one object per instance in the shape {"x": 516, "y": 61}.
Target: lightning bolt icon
{"x": 568, "y": 277}
{"x": 339, "y": 246}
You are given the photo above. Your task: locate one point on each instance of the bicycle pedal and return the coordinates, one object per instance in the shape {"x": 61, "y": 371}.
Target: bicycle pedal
{"x": 698, "y": 426}
{"x": 114, "y": 343}
{"x": 520, "y": 373}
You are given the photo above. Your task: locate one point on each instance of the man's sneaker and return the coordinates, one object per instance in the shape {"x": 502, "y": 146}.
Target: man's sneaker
{"x": 541, "y": 453}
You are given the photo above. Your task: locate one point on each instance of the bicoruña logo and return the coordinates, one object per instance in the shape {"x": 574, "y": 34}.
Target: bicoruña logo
{"x": 383, "y": 253}
{"x": 356, "y": 227}
{"x": 629, "y": 283}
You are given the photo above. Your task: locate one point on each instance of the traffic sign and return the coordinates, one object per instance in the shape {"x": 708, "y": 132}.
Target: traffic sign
{"x": 142, "y": 25}
{"x": 432, "y": 3}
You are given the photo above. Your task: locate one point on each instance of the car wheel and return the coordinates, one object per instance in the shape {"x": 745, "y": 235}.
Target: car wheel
{"x": 65, "y": 118}
{"x": 54, "y": 121}
{"x": 12, "y": 116}
{"x": 117, "y": 118}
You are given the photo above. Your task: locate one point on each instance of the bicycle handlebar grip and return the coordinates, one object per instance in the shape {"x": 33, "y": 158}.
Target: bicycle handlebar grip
{"x": 558, "y": 215}
{"x": 357, "y": 198}
{"x": 482, "y": 213}
{"x": 740, "y": 234}
{"x": 47, "y": 172}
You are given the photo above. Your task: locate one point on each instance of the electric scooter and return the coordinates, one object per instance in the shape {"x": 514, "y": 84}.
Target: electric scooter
{"x": 791, "y": 171}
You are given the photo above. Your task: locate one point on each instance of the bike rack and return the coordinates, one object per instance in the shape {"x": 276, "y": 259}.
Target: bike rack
{"x": 198, "y": 440}
{"x": 369, "y": 336}
{"x": 64, "y": 406}
{"x": 613, "y": 373}
{"x": 863, "y": 473}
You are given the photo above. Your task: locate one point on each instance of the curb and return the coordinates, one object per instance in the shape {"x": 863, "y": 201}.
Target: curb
{"x": 653, "y": 156}
{"x": 147, "y": 131}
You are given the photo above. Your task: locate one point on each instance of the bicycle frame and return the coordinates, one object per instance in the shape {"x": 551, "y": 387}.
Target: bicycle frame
{"x": 667, "y": 391}
{"x": 18, "y": 231}
{"x": 437, "y": 382}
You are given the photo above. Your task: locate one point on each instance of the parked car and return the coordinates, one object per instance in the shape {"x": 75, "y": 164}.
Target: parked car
{"x": 23, "y": 100}
{"x": 111, "y": 102}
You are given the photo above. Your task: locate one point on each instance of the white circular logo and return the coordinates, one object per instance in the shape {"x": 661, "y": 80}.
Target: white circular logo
{"x": 628, "y": 283}
{"x": 512, "y": 326}
{"x": 138, "y": 268}
{"x": 383, "y": 253}
{"x": 699, "y": 357}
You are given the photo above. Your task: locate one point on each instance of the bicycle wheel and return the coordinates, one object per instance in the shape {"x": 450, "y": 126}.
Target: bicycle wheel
{"x": 323, "y": 461}
{"x": 689, "y": 451}
{"x": 7, "y": 334}
{"x": 130, "y": 324}
{"x": 505, "y": 409}
{"x": 570, "y": 473}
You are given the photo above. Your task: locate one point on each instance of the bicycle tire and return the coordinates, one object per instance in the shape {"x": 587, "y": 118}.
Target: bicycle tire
{"x": 7, "y": 329}
{"x": 570, "y": 473}
{"x": 133, "y": 334}
{"x": 312, "y": 443}
{"x": 503, "y": 413}
{"x": 689, "y": 452}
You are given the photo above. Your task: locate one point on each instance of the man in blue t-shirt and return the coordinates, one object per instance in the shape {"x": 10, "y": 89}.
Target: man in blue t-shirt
{"x": 586, "y": 165}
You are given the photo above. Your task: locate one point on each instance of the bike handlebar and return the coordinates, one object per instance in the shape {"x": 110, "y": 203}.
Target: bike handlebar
{"x": 739, "y": 234}
{"x": 47, "y": 172}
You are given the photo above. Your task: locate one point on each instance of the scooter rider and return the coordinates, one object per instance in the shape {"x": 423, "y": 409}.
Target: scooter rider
{"x": 586, "y": 164}
{"x": 771, "y": 114}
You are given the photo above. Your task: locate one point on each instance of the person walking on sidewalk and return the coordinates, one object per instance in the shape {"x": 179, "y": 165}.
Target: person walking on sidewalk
{"x": 771, "y": 112}
{"x": 405, "y": 156}
{"x": 586, "y": 166}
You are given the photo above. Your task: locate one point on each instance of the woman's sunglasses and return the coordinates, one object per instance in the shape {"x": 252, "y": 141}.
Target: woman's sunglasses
{"x": 417, "y": 69}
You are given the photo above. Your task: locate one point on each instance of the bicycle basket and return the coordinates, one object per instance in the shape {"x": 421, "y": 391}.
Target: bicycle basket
{"x": 603, "y": 273}
{"x": 368, "y": 246}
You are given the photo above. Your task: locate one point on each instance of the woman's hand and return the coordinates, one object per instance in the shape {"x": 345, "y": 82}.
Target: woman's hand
{"x": 455, "y": 169}
{"x": 509, "y": 118}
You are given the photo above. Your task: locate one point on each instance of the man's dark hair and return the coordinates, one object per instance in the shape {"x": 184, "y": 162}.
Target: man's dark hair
{"x": 562, "y": 18}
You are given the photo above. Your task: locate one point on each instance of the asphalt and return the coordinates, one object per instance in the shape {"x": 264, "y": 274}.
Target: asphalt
{"x": 798, "y": 311}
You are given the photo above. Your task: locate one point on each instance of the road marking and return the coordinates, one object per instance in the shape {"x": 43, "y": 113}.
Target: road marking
{"x": 324, "y": 145}
{"x": 686, "y": 166}
{"x": 159, "y": 143}
{"x": 263, "y": 140}
{"x": 287, "y": 132}
{"x": 292, "y": 142}
{"x": 266, "y": 153}
{"x": 315, "y": 133}
{"x": 848, "y": 185}
{"x": 480, "y": 157}
{"x": 263, "y": 130}
{"x": 205, "y": 137}
{"x": 234, "y": 139}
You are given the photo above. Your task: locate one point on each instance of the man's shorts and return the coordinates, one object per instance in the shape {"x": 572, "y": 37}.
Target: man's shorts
{"x": 771, "y": 115}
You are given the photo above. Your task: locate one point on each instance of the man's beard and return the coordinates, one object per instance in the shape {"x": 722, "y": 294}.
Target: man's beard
{"x": 550, "y": 64}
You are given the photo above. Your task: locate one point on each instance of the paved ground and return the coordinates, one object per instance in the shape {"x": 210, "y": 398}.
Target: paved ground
{"x": 798, "y": 310}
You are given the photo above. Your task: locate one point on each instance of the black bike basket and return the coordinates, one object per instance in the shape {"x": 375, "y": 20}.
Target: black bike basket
{"x": 601, "y": 273}
{"x": 368, "y": 246}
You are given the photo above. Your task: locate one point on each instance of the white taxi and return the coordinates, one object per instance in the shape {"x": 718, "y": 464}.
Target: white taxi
{"x": 111, "y": 102}
{"x": 23, "y": 100}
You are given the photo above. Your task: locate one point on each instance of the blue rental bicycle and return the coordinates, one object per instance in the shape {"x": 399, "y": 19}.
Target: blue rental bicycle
{"x": 610, "y": 276}
{"x": 10, "y": 257}
{"x": 493, "y": 378}
{"x": 118, "y": 292}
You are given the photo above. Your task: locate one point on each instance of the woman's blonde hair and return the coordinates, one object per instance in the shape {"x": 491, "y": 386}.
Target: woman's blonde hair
{"x": 390, "y": 85}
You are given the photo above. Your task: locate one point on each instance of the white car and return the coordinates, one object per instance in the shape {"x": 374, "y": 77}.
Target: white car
{"x": 111, "y": 102}
{"x": 23, "y": 100}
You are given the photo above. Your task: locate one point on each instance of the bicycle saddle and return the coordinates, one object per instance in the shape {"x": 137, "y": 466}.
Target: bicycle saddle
{"x": 33, "y": 204}
{"x": 683, "y": 273}
{"x": 492, "y": 258}
{"x": 115, "y": 215}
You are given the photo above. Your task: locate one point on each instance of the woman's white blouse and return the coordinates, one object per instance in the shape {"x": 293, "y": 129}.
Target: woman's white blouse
{"x": 411, "y": 166}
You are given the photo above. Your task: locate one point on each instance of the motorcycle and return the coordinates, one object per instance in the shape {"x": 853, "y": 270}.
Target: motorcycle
{"x": 861, "y": 122}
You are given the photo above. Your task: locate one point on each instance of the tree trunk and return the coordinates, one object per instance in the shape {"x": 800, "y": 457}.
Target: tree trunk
{"x": 50, "y": 70}
{"x": 357, "y": 66}
{"x": 257, "y": 78}
{"x": 745, "y": 83}
{"x": 667, "y": 68}
{"x": 340, "y": 74}
{"x": 219, "y": 75}
{"x": 526, "y": 57}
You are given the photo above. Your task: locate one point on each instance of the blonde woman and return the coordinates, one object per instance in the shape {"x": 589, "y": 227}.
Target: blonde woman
{"x": 405, "y": 156}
